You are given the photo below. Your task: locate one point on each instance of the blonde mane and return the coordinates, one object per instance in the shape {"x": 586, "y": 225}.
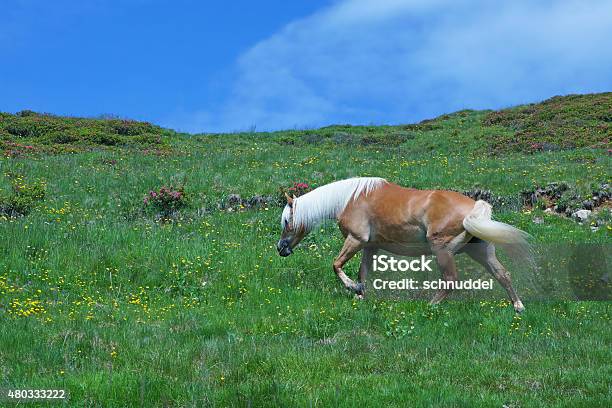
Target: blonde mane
{"x": 328, "y": 201}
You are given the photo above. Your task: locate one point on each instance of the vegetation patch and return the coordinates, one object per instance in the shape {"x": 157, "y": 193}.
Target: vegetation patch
{"x": 562, "y": 122}
{"x": 27, "y": 128}
{"x": 375, "y": 136}
{"x": 166, "y": 201}
{"x": 23, "y": 196}
{"x": 14, "y": 149}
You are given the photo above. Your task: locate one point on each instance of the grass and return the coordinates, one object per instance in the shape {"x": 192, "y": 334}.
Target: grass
{"x": 100, "y": 299}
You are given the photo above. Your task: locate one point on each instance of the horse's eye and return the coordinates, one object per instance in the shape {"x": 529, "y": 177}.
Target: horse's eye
{"x": 286, "y": 223}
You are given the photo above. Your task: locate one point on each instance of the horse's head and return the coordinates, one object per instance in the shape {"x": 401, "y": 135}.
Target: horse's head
{"x": 292, "y": 234}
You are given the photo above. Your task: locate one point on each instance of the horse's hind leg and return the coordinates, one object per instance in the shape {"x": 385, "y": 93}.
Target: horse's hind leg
{"x": 446, "y": 262}
{"x": 484, "y": 253}
{"x": 367, "y": 258}
{"x": 444, "y": 248}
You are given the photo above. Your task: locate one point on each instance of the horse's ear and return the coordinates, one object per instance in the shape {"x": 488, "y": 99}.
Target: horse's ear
{"x": 294, "y": 197}
{"x": 289, "y": 199}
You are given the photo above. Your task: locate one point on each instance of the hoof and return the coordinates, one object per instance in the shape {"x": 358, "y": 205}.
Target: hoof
{"x": 519, "y": 307}
{"x": 359, "y": 289}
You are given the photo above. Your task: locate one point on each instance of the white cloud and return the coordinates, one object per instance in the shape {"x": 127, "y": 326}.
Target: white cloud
{"x": 393, "y": 61}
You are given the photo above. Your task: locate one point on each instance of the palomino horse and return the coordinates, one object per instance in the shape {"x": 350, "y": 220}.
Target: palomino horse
{"x": 375, "y": 214}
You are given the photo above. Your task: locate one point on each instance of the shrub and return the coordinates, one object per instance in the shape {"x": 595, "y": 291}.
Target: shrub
{"x": 26, "y": 112}
{"x": 343, "y": 138}
{"x": 126, "y": 127}
{"x": 22, "y": 129}
{"x": 387, "y": 139}
{"x": 314, "y": 138}
{"x": 12, "y": 149}
{"x": 61, "y": 137}
{"x": 147, "y": 139}
{"x": 23, "y": 197}
{"x": 166, "y": 201}
{"x": 297, "y": 189}
{"x": 101, "y": 138}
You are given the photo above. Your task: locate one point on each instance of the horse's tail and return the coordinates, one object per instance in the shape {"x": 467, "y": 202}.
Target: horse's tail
{"x": 479, "y": 224}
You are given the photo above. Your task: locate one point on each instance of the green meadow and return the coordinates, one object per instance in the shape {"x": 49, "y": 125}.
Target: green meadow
{"x": 120, "y": 306}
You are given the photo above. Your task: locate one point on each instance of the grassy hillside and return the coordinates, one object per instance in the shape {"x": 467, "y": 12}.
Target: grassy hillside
{"x": 560, "y": 123}
{"x": 51, "y": 129}
{"x": 124, "y": 301}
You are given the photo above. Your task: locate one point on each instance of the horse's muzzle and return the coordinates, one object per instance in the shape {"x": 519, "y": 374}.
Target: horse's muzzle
{"x": 284, "y": 248}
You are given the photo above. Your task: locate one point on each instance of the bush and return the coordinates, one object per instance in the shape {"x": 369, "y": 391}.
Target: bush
{"x": 127, "y": 127}
{"x": 343, "y": 138}
{"x": 61, "y": 137}
{"x": 23, "y": 197}
{"x": 26, "y": 112}
{"x": 101, "y": 138}
{"x": 387, "y": 139}
{"x": 166, "y": 201}
{"x": 297, "y": 189}
{"x": 22, "y": 129}
{"x": 314, "y": 138}
{"x": 147, "y": 139}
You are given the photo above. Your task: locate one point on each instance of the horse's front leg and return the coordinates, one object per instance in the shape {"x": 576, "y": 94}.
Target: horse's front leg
{"x": 351, "y": 246}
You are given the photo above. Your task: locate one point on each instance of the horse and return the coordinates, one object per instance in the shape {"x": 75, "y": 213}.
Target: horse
{"x": 374, "y": 214}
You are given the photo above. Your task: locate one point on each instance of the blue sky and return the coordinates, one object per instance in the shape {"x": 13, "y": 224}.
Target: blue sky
{"x": 203, "y": 66}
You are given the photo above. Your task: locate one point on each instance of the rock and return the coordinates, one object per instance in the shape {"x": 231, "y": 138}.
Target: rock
{"x": 533, "y": 199}
{"x": 597, "y": 200}
{"x": 587, "y": 204}
{"x": 538, "y": 220}
{"x": 593, "y": 228}
{"x": 234, "y": 199}
{"x": 550, "y": 147}
{"x": 258, "y": 201}
{"x": 549, "y": 210}
{"x": 581, "y": 215}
